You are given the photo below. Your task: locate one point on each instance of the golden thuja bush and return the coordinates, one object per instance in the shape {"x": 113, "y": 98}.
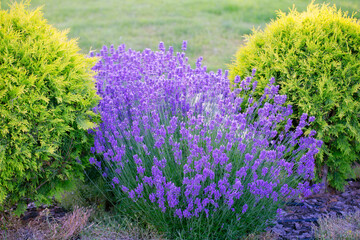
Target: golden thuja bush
{"x": 47, "y": 92}
{"x": 315, "y": 58}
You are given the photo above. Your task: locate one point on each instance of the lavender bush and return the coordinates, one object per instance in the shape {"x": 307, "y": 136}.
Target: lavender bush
{"x": 184, "y": 153}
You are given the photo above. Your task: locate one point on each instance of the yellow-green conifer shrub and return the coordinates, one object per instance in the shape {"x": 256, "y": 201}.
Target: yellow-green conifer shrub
{"x": 47, "y": 92}
{"x": 315, "y": 58}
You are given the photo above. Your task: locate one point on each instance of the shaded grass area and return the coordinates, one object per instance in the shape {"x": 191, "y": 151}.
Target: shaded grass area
{"x": 214, "y": 29}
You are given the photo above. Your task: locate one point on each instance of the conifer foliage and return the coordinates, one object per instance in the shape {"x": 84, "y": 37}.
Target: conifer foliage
{"x": 46, "y": 95}
{"x": 314, "y": 57}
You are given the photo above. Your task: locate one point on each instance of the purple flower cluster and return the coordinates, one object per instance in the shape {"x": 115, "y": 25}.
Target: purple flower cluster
{"x": 180, "y": 139}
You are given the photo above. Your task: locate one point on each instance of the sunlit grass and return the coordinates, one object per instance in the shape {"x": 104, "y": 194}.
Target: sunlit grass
{"x": 214, "y": 29}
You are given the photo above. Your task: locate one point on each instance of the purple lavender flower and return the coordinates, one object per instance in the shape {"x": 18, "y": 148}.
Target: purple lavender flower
{"x": 178, "y": 213}
{"x": 272, "y": 80}
{"x": 125, "y": 189}
{"x": 241, "y": 173}
{"x": 137, "y": 160}
{"x": 312, "y": 133}
{"x": 179, "y": 142}
{"x": 162, "y": 47}
{"x": 248, "y": 157}
{"x": 116, "y": 180}
{"x": 228, "y": 167}
{"x": 264, "y": 171}
{"x": 140, "y": 170}
{"x": 132, "y": 194}
{"x": 92, "y": 160}
{"x": 244, "y": 209}
{"x": 253, "y": 72}
{"x": 184, "y": 45}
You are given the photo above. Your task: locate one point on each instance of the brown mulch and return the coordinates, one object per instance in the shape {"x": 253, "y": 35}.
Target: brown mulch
{"x": 298, "y": 217}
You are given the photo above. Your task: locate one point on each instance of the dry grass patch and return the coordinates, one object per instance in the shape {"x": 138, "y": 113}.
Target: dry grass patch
{"x": 338, "y": 228}
{"x": 71, "y": 225}
{"x": 262, "y": 236}
{"x": 107, "y": 226}
{"x": 45, "y": 227}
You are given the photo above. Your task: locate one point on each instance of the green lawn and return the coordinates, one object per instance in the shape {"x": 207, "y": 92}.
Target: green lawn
{"x": 214, "y": 29}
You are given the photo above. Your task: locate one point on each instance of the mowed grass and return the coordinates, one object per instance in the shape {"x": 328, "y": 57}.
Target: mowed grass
{"x": 214, "y": 29}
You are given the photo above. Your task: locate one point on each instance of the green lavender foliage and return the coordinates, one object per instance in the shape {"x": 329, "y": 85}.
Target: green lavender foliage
{"x": 315, "y": 58}
{"x": 47, "y": 92}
